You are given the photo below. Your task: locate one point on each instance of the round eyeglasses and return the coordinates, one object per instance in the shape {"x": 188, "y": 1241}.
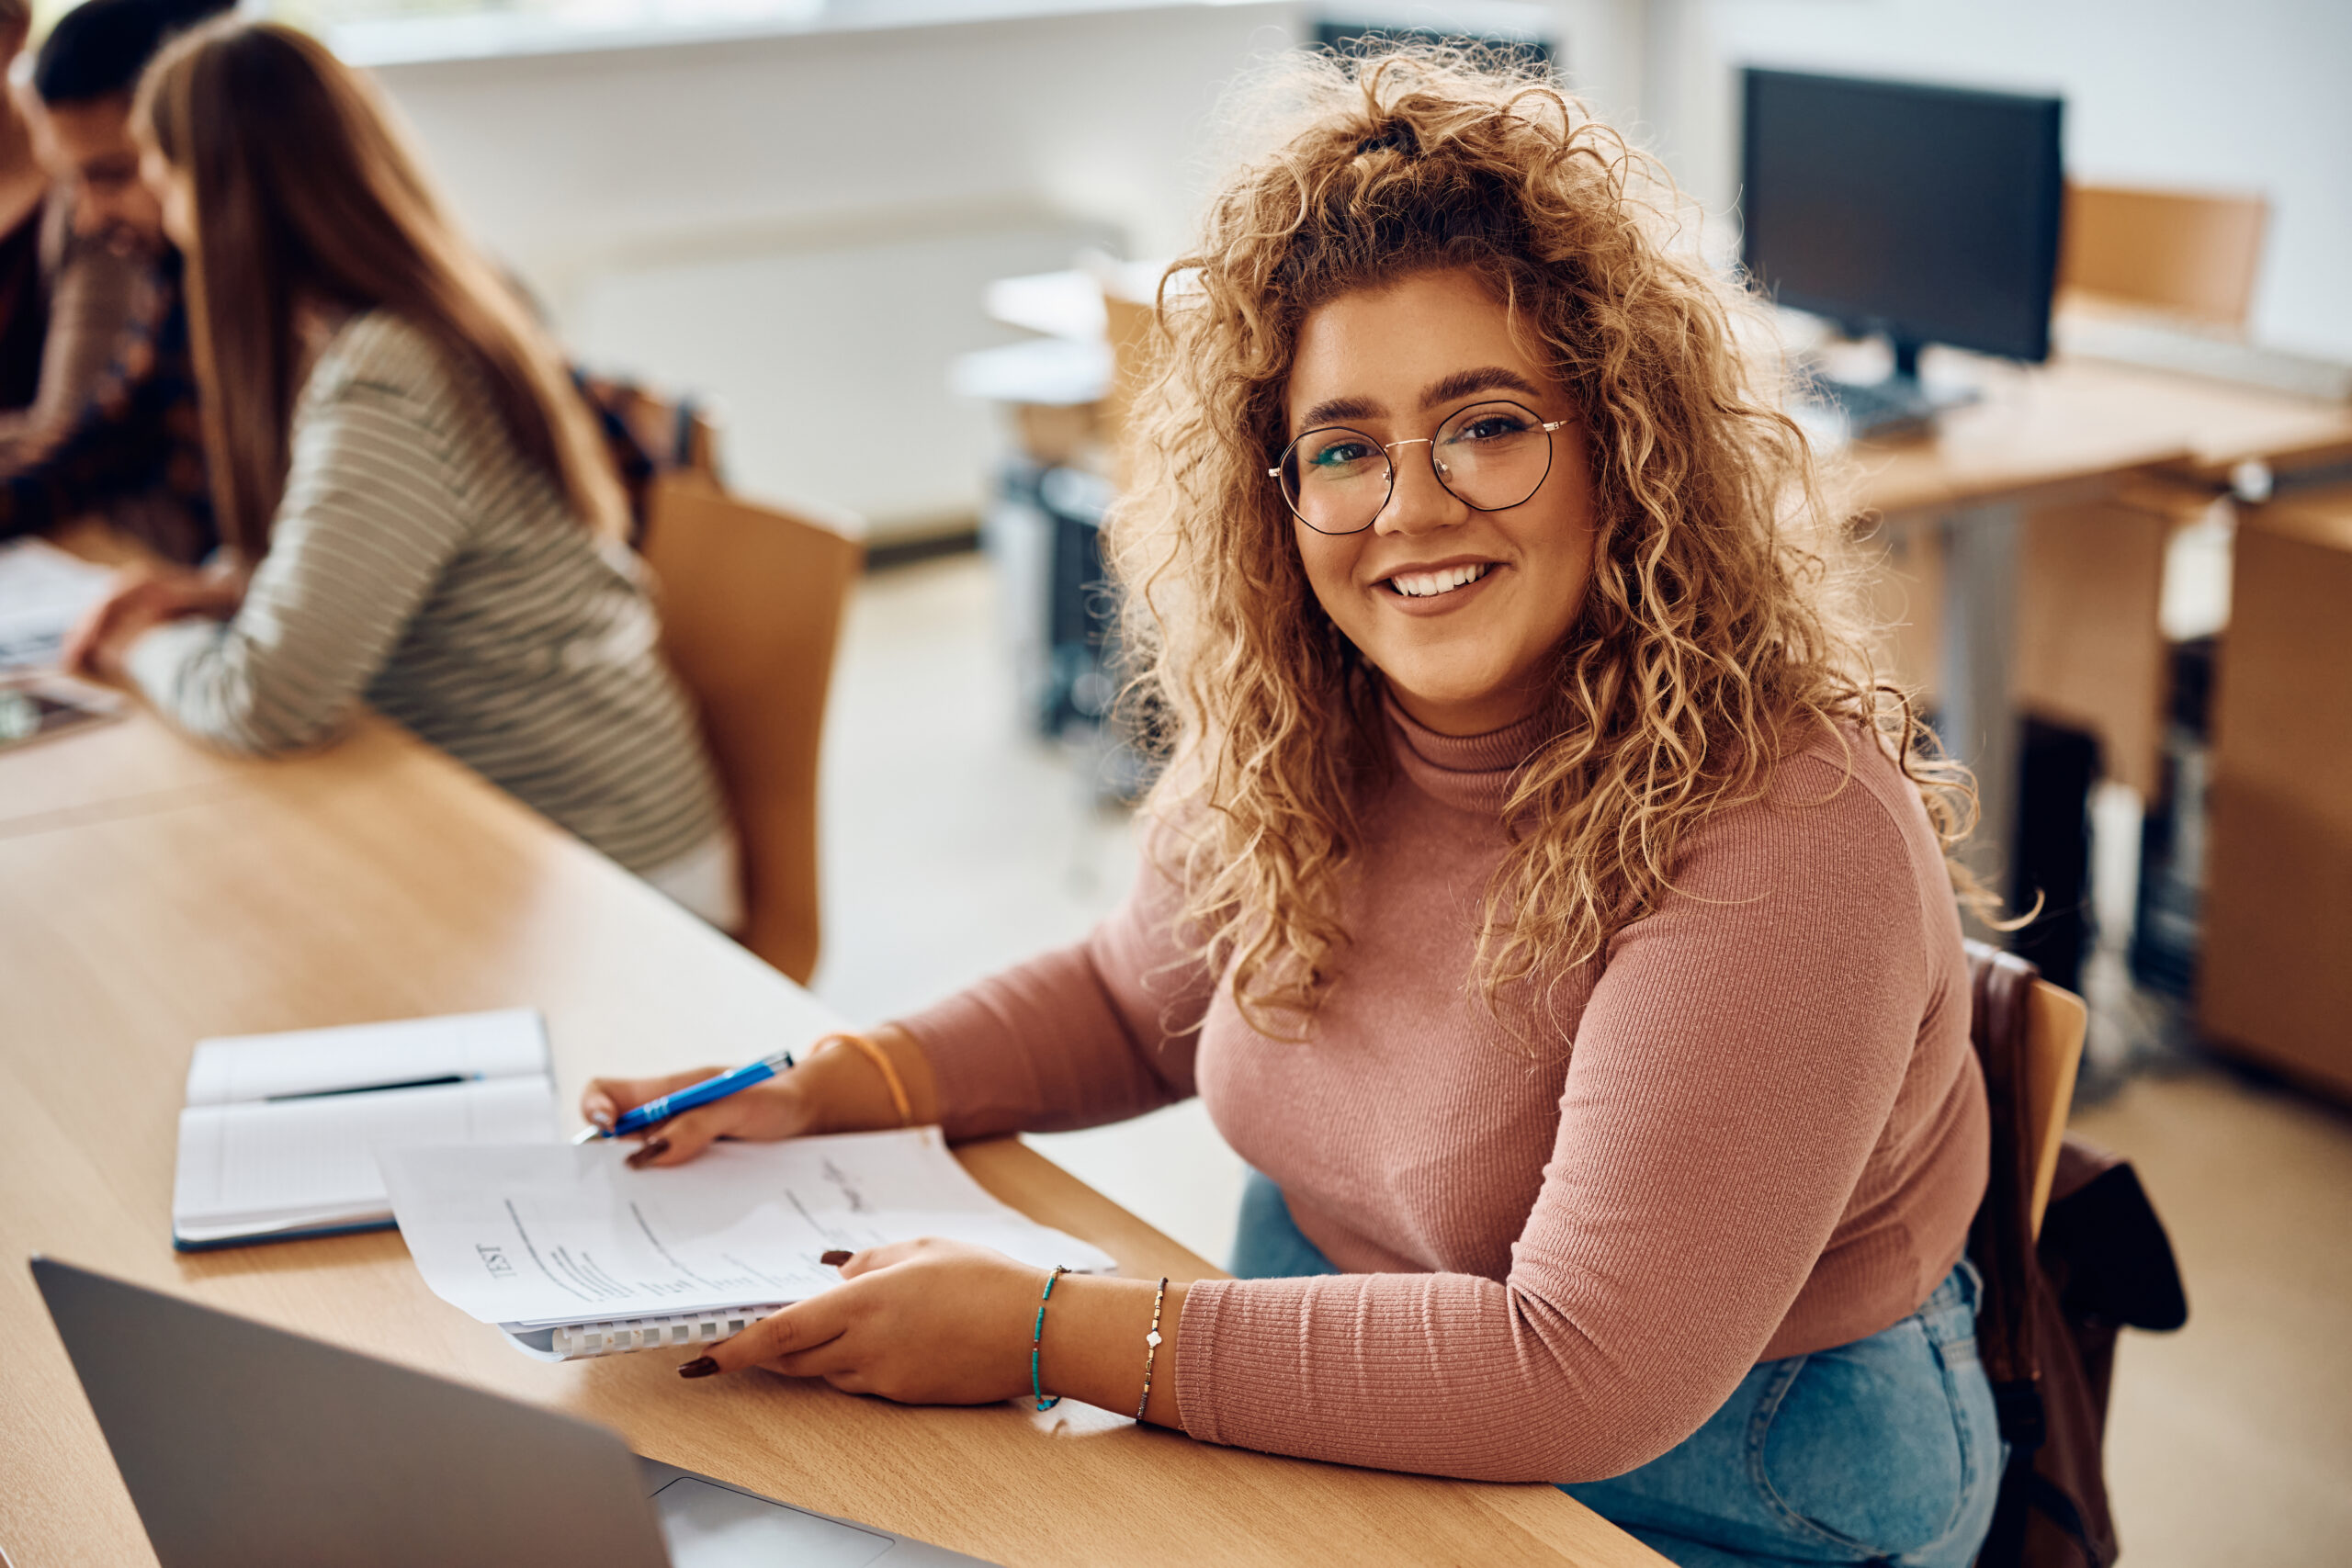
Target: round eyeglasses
{"x": 1490, "y": 457}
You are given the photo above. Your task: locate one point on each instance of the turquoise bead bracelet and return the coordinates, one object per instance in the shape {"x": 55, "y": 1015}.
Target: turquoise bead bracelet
{"x": 1037, "y": 1337}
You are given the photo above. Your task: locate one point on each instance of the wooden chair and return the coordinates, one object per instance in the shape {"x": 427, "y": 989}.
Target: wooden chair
{"x": 752, "y": 602}
{"x": 2178, "y": 253}
{"x": 2054, "y": 1023}
{"x": 2057, "y": 1020}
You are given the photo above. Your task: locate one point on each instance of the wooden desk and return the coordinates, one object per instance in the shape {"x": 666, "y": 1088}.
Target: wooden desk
{"x": 2067, "y": 428}
{"x": 2071, "y": 431}
{"x": 379, "y": 880}
{"x": 2275, "y": 967}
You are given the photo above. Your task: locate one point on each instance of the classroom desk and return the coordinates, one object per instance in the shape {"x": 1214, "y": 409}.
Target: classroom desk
{"x": 192, "y": 895}
{"x": 2072, "y": 430}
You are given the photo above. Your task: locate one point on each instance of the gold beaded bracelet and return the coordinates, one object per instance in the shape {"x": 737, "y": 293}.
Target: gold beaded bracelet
{"x": 1151, "y": 1348}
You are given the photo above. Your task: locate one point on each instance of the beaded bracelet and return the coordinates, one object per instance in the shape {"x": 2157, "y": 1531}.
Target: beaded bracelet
{"x": 1151, "y": 1348}
{"x": 1037, "y": 1337}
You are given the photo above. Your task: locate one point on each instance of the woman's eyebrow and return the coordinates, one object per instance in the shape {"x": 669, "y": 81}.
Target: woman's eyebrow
{"x": 1486, "y": 379}
{"x": 1450, "y": 389}
{"x": 1339, "y": 410}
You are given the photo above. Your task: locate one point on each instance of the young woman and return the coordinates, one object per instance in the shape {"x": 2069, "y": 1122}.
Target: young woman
{"x": 1541, "y": 894}
{"x": 422, "y": 517}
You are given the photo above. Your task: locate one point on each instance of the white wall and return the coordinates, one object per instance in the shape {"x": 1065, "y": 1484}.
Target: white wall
{"x": 799, "y": 222}
{"x": 2248, "y": 96}
{"x": 856, "y": 185}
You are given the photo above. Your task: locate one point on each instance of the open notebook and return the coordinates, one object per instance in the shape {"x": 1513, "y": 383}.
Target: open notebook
{"x": 573, "y": 1254}
{"x": 279, "y": 1136}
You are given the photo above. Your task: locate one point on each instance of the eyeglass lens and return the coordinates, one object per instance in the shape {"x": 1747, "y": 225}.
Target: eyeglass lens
{"x": 1491, "y": 455}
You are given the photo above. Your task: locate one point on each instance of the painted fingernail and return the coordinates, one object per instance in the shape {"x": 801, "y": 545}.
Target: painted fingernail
{"x": 700, "y": 1366}
{"x": 834, "y": 1259}
{"x": 654, "y": 1149}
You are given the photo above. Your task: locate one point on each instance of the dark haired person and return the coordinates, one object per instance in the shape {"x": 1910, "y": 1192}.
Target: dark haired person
{"x": 120, "y": 433}
{"x": 25, "y": 223}
{"x": 119, "y": 436}
{"x": 64, "y": 295}
{"x": 419, "y": 510}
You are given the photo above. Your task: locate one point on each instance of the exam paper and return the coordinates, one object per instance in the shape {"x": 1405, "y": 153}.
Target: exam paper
{"x": 538, "y": 1234}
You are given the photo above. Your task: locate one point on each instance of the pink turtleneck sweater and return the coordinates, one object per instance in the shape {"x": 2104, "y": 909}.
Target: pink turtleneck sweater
{"x": 1756, "y": 1128}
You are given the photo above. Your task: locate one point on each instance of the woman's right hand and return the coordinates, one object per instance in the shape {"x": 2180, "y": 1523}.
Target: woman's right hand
{"x": 835, "y": 1088}
{"x": 779, "y": 1108}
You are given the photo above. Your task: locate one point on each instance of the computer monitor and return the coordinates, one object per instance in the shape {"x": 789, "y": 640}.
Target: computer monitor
{"x": 1928, "y": 213}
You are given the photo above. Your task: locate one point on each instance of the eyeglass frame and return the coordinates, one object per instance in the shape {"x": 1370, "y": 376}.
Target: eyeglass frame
{"x": 1430, "y": 441}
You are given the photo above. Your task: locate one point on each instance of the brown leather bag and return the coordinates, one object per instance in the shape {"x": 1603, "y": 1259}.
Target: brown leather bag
{"x": 2047, "y": 1322}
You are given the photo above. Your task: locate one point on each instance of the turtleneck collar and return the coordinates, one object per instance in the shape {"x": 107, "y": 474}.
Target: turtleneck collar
{"x": 1469, "y": 772}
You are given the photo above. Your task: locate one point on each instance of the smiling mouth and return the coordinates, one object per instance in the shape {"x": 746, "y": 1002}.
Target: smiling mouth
{"x": 1430, "y": 584}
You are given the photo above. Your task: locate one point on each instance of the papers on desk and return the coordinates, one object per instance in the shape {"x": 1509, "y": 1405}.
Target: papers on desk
{"x": 43, "y": 591}
{"x": 573, "y": 1254}
{"x": 281, "y": 1133}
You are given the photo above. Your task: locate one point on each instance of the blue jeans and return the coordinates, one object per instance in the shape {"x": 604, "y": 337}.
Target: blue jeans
{"x": 1883, "y": 1451}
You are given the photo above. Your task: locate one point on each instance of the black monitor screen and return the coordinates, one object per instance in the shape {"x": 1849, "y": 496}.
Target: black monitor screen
{"x": 1928, "y": 213}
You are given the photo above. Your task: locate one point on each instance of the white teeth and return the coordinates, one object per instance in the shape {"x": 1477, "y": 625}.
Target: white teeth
{"x": 1423, "y": 585}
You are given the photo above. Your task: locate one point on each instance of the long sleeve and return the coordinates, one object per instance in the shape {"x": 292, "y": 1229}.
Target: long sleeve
{"x": 370, "y": 519}
{"x": 1094, "y": 1033}
{"x": 136, "y": 445}
{"x": 90, "y": 304}
{"x": 1730, "y": 1075}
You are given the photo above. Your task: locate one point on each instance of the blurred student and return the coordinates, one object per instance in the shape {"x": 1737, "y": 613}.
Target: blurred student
{"x": 419, "y": 512}
{"x": 24, "y": 219}
{"x": 114, "y": 433}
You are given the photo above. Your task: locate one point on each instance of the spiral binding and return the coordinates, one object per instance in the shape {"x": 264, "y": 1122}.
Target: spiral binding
{"x": 578, "y": 1341}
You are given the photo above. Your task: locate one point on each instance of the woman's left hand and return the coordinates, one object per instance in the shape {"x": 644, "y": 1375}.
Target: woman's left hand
{"x": 921, "y": 1322}
{"x": 136, "y": 605}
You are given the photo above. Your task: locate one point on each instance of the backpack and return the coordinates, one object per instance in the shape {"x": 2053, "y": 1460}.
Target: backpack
{"x": 2051, "y": 1311}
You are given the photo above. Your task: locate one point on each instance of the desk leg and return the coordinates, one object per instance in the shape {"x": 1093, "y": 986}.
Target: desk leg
{"x": 1979, "y": 718}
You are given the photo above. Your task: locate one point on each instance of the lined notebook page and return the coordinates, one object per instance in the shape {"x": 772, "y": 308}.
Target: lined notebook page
{"x": 309, "y": 1161}
{"x": 509, "y": 1042}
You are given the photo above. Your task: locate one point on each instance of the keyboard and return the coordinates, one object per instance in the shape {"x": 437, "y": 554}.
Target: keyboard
{"x": 1879, "y": 408}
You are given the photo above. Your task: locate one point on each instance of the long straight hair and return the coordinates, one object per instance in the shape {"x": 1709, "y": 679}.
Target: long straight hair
{"x": 305, "y": 194}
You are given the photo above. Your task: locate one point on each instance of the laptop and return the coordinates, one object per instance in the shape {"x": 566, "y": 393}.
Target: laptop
{"x": 243, "y": 1444}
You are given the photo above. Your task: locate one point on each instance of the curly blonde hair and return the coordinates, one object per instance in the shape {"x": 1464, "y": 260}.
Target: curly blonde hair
{"x": 1720, "y": 621}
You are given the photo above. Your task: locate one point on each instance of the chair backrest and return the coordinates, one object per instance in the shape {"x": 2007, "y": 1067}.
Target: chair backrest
{"x": 2172, "y": 251}
{"x": 2057, "y": 1020}
{"x": 679, "y": 434}
{"x": 2031, "y": 1080}
{"x": 752, "y": 602}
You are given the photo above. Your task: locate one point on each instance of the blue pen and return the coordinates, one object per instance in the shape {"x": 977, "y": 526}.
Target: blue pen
{"x": 655, "y": 1111}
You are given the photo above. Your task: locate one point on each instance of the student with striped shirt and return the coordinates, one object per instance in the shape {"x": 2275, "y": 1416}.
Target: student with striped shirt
{"x": 413, "y": 500}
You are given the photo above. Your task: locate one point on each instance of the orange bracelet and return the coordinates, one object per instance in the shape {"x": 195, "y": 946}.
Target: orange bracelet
{"x": 882, "y": 1064}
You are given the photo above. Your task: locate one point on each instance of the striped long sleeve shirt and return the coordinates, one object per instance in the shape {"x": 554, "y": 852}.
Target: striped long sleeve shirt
{"x": 420, "y": 565}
